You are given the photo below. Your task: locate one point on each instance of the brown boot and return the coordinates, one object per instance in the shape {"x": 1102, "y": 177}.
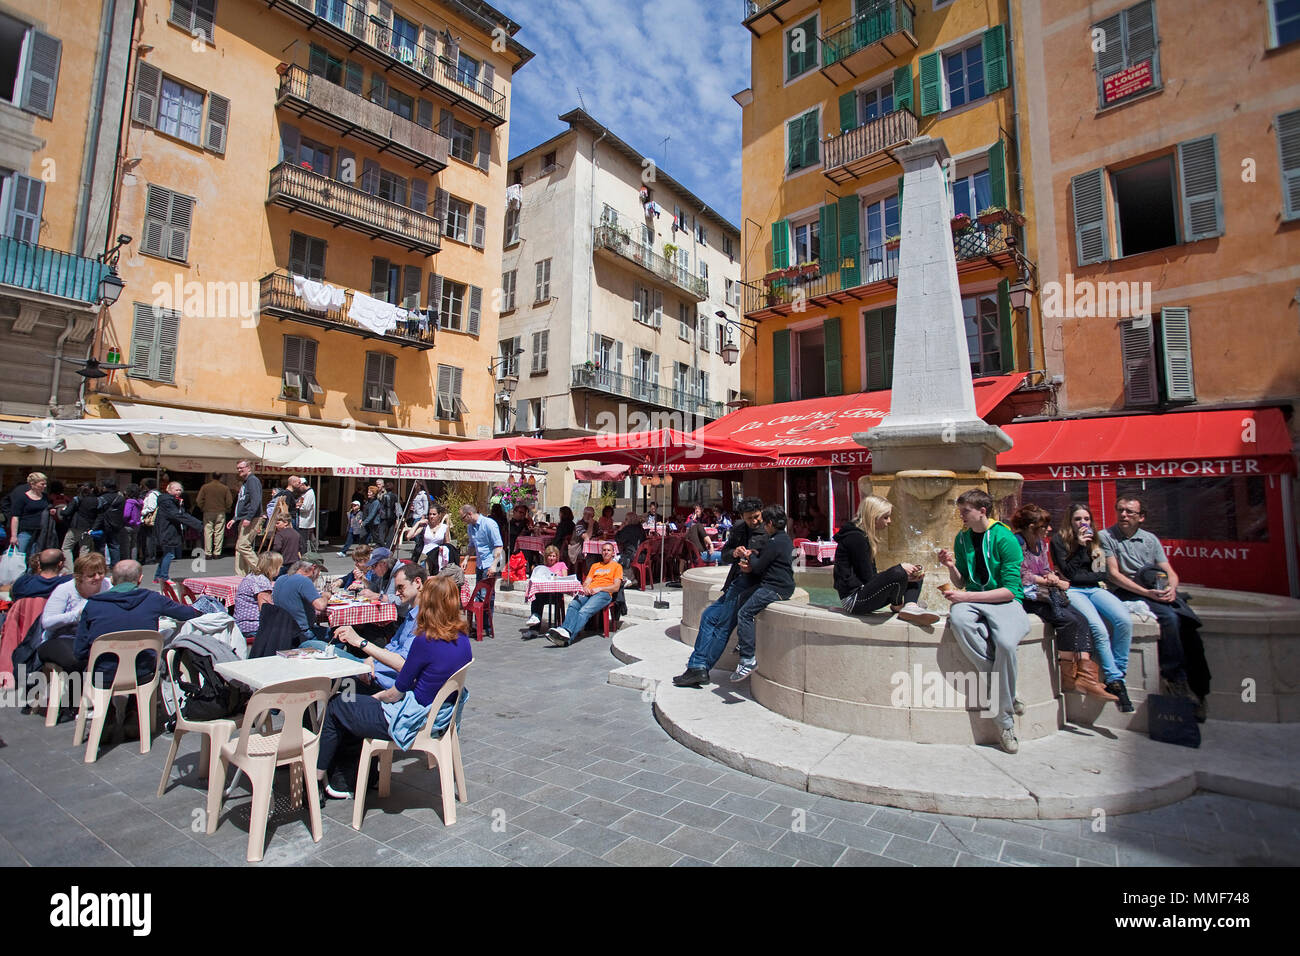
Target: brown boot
{"x": 1087, "y": 680}
{"x": 1067, "y": 666}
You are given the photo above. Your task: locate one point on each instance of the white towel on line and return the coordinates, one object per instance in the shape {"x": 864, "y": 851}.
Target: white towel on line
{"x": 378, "y": 316}
{"x": 319, "y": 296}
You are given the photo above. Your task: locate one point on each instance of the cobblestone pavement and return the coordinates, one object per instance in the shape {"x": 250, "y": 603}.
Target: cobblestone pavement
{"x": 564, "y": 769}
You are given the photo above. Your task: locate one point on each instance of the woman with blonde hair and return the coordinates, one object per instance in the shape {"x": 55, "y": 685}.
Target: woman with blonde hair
{"x": 28, "y": 507}
{"x": 861, "y": 588}
{"x": 255, "y": 591}
{"x": 440, "y": 648}
{"x": 551, "y": 567}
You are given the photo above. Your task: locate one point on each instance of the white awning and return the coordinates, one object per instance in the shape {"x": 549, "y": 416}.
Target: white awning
{"x": 37, "y": 444}
{"x": 188, "y": 440}
{"x": 354, "y": 445}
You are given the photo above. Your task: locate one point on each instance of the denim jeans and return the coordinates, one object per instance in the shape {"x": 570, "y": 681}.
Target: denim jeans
{"x": 745, "y": 638}
{"x": 349, "y": 720}
{"x": 479, "y": 575}
{"x": 1109, "y": 647}
{"x": 583, "y": 608}
{"x": 24, "y": 541}
{"x": 165, "y": 564}
{"x": 716, "y": 624}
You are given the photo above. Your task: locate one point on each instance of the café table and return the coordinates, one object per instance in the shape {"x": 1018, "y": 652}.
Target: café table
{"x": 221, "y": 588}
{"x": 532, "y": 542}
{"x": 595, "y": 544}
{"x": 361, "y": 612}
{"x": 821, "y": 550}
{"x": 556, "y": 589}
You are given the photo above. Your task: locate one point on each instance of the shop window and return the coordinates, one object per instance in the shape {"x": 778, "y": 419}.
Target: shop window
{"x": 1054, "y": 496}
{"x": 1228, "y": 508}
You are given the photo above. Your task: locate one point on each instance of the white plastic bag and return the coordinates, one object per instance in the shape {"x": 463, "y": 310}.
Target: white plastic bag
{"x": 12, "y": 566}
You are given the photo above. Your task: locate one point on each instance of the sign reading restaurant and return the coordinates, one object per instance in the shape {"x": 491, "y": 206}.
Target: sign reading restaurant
{"x": 1127, "y": 82}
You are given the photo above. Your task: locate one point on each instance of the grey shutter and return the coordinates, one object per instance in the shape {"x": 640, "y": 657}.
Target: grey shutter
{"x": 489, "y": 81}
{"x": 316, "y": 259}
{"x": 444, "y": 123}
{"x": 289, "y": 141}
{"x": 347, "y": 166}
{"x": 440, "y": 197}
{"x": 1110, "y": 58}
{"x": 205, "y": 18}
{"x": 25, "y": 211}
{"x": 148, "y": 90}
{"x": 354, "y": 78}
{"x": 420, "y": 195}
{"x": 168, "y": 335}
{"x": 435, "y": 297}
{"x": 369, "y": 176}
{"x": 389, "y": 382}
{"x": 292, "y": 357}
{"x": 1140, "y": 42}
{"x": 480, "y": 227}
{"x": 1137, "y": 347}
{"x": 42, "y": 79}
{"x": 457, "y": 374}
{"x": 143, "y": 332}
{"x": 179, "y": 222}
{"x": 484, "y": 148}
{"x": 1176, "y": 342}
{"x": 298, "y": 253}
{"x": 1198, "y": 183}
{"x": 523, "y": 408}
{"x": 475, "y": 308}
{"x": 378, "y": 90}
{"x": 373, "y": 386}
{"x": 1288, "y": 147}
{"x": 218, "y": 124}
{"x": 444, "y": 402}
{"x": 1091, "y": 241}
{"x": 310, "y": 386}
{"x": 411, "y": 277}
{"x": 452, "y": 53}
{"x": 157, "y": 208}
{"x": 424, "y": 113}
{"x": 379, "y": 278}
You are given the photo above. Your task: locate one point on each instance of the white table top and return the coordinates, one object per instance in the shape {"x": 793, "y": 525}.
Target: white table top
{"x": 259, "y": 672}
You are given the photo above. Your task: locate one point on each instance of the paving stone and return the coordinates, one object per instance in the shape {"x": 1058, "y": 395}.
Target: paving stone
{"x": 530, "y": 849}
{"x": 918, "y": 853}
{"x": 967, "y": 859}
{"x": 650, "y": 828}
{"x": 635, "y": 852}
{"x": 557, "y": 798}
{"x": 695, "y": 773}
{"x": 857, "y": 836}
{"x": 467, "y": 854}
{"x": 698, "y": 843}
{"x": 1033, "y": 856}
{"x": 361, "y": 852}
{"x": 753, "y": 832}
{"x": 692, "y": 814}
{"x": 855, "y": 857}
{"x": 1082, "y": 848}
{"x": 696, "y": 793}
{"x": 610, "y": 770}
{"x": 788, "y": 796}
{"x": 843, "y": 810}
{"x": 649, "y": 780}
{"x": 787, "y": 817}
{"x": 809, "y": 849}
{"x": 579, "y": 858}
{"x": 1011, "y": 831}
{"x": 749, "y": 806}
{"x": 917, "y": 826}
{"x": 542, "y": 820}
{"x": 605, "y": 789}
{"x": 968, "y": 842}
{"x": 650, "y": 801}
{"x": 597, "y": 811}
{"x": 591, "y": 838}
{"x": 742, "y": 854}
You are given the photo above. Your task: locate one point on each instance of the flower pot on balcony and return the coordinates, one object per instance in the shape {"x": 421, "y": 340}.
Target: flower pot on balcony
{"x": 960, "y": 223}
{"x": 893, "y": 243}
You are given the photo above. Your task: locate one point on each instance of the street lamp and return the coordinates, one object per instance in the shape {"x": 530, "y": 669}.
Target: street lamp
{"x": 111, "y": 285}
{"x": 731, "y": 351}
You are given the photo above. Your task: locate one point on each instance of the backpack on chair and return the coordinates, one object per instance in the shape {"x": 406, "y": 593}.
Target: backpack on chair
{"x": 205, "y": 695}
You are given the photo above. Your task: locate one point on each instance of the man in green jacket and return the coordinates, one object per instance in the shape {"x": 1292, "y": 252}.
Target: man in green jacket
{"x": 987, "y": 616}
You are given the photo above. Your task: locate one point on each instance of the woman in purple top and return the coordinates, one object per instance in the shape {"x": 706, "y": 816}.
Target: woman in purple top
{"x": 254, "y": 591}
{"x": 441, "y": 648}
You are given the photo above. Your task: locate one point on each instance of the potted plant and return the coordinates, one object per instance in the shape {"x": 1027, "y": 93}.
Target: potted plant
{"x": 990, "y": 215}
{"x": 670, "y": 251}
{"x": 960, "y": 222}
{"x": 808, "y": 270}
{"x": 893, "y": 242}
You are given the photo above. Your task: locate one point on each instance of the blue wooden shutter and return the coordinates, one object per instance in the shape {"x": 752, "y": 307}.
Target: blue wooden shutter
{"x": 218, "y": 124}
{"x": 997, "y": 155}
{"x": 848, "y": 112}
{"x": 811, "y": 150}
{"x": 1198, "y": 184}
{"x": 1088, "y": 193}
{"x": 1137, "y": 346}
{"x": 144, "y": 331}
{"x": 25, "y": 209}
{"x": 880, "y": 348}
{"x": 794, "y": 148}
{"x": 1006, "y": 332}
{"x": 475, "y": 309}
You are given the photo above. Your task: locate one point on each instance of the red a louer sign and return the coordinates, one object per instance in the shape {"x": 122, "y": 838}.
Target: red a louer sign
{"x": 1126, "y": 82}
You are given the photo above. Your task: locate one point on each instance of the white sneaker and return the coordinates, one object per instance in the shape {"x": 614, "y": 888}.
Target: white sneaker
{"x": 1008, "y": 742}
{"x": 559, "y": 637}
{"x": 913, "y": 613}
{"x": 744, "y": 669}
{"x": 532, "y": 621}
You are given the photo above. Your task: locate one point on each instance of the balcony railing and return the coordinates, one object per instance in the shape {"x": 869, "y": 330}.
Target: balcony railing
{"x": 618, "y": 240}
{"x": 857, "y": 152}
{"x": 637, "y": 389}
{"x": 300, "y": 189}
{"x": 868, "y": 40}
{"x": 277, "y": 298}
{"x": 311, "y": 95}
{"x": 424, "y": 64}
{"x": 875, "y": 265}
{"x": 26, "y": 265}
{"x": 757, "y": 23}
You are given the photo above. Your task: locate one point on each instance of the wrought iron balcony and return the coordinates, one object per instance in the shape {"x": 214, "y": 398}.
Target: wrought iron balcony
{"x": 303, "y": 190}
{"x": 875, "y": 270}
{"x": 313, "y": 96}
{"x": 867, "y": 41}
{"x": 616, "y": 242}
{"x": 760, "y": 16}
{"x": 638, "y": 390}
{"x": 278, "y": 299}
{"x": 25, "y": 265}
{"x": 349, "y": 23}
{"x": 856, "y": 152}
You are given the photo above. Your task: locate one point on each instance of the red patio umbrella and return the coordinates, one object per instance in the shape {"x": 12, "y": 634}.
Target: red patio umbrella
{"x": 485, "y": 449}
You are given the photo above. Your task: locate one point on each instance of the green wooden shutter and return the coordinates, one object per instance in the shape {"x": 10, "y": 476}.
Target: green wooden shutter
{"x": 811, "y": 145}
{"x": 781, "y": 366}
{"x": 848, "y": 112}
{"x": 995, "y": 59}
{"x": 998, "y": 174}
{"x": 794, "y": 149}
{"x": 931, "y": 85}
{"x": 834, "y": 360}
{"x": 1176, "y": 338}
{"x": 1005, "y": 330}
{"x": 849, "y": 273}
{"x": 793, "y": 58}
{"x": 1198, "y": 184}
{"x": 880, "y": 348}
{"x": 900, "y": 202}
{"x": 1088, "y": 193}
{"x": 829, "y": 237}
{"x": 1288, "y": 148}
{"x": 781, "y": 244}
{"x": 903, "y": 87}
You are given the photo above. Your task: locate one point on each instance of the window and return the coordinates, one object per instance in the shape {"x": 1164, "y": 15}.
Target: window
{"x": 195, "y": 17}
{"x": 453, "y": 302}
{"x": 509, "y": 280}
{"x": 153, "y": 343}
{"x": 538, "y": 408}
{"x": 1164, "y": 375}
{"x": 467, "y": 69}
{"x": 542, "y": 292}
{"x": 875, "y": 102}
{"x": 548, "y": 163}
{"x": 391, "y": 187}
{"x": 983, "y": 335}
{"x": 704, "y": 273}
{"x": 729, "y": 247}
{"x": 702, "y": 323}
{"x": 731, "y": 291}
{"x": 378, "y": 392}
{"x": 1288, "y": 145}
{"x": 648, "y": 307}
{"x": 405, "y": 39}
{"x": 882, "y": 217}
{"x": 1144, "y": 206}
{"x": 541, "y": 343}
{"x": 401, "y": 104}
{"x": 803, "y": 140}
{"x": 517, "y": 177}
{"x": 167, "y": 220}
{"x": 458, "y": 220}
{"x": 645, "y": 374}
{"x": 180, "y": 111}
{"x": 1283, "y": 21}
{"x": 702, "y": 386}
{"x": 609, "y": 354}
{"x": 298, "y": 383}
{"x": 681, "y": 378}
{"x": 684, "y": 322}
{"x": 1127, "y": 54}
{"x": 323, "y": 63}
{"x": 386, "y": 280}
{"x": 879, "y": 332}
{"x": 719, "y": 336}
{"x": 801, "y": 49}
{"x": 23, "y": 200}
{"x": 314, "y": 156}
{"x": 331, "y": 10}
{"x": 972, "y": 193}
{"x": 462, "y": 140}
{"x": 807, "y": 248}
{"x": 701, "y": 234}
{"x": 512, "y": 226}
{"x": 963, "y": 74}
{"x": 450, "y": 405}
{"x": 306, "y": 256}
{"x": 810, "y": 362}
{"x": 508, "y": 366}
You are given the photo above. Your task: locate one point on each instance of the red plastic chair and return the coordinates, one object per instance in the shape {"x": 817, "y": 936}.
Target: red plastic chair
{"x": 169, "y": 592}
{"x": 800, "y": 542}
{"x": 484, "y": 591}
{"x": 691, "y": 555}
{"x": 673, "y": 557}
{"x": 643, "y": 561}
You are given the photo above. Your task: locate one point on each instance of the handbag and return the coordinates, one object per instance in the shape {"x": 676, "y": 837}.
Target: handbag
{"x": 12, "y": 566}
{"x": 1172, "y": 720}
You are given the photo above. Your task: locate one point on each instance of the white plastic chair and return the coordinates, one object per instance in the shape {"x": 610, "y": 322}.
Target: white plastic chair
{"x": 442, "y": 751}
{"x": 258, "y": 753}
{"x": 125, "y": 645}
{"x": 216, "y": 733}
{"x": 55, "y": 679}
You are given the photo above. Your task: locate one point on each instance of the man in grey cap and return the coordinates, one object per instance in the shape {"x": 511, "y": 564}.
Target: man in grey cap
{"x": 381, "y": 564}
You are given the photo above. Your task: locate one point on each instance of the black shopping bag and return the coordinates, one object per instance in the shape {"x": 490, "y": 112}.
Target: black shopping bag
{"x": 1172, "y": 720}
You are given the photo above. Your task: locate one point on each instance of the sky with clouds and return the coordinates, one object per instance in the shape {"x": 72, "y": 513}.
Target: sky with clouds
{"x": 648, "y": 69}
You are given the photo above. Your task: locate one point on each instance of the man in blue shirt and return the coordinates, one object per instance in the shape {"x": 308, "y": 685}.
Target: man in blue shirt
{"x": 296, "y": 593}
{"x": 485, "y": 540}
{"x": 408, "y": 579}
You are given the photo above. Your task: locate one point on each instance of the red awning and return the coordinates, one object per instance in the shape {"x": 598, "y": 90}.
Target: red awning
{"x": 602, "y": 473}
{"x": 817, "y": 432}
{"x": 1174, "y": 445}
{"x": 486, "y": 449}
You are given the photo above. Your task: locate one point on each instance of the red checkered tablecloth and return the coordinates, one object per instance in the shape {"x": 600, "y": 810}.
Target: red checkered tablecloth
{"x": 354, "y": 614}
{"x": 551, "y": 587}
{"x": 531, "y": 542}
{"x": 466, "y": 592}
{"x": 594, "y": 545}
{"x": 223, "y": 588}
{"x": 821, "y": 550}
